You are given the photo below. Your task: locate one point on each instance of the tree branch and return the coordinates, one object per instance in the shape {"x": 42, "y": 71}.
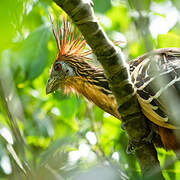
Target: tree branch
{"x": 117, "y": 73}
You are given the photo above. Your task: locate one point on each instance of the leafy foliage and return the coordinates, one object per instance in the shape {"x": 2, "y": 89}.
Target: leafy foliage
{"x": 66, "y": 137}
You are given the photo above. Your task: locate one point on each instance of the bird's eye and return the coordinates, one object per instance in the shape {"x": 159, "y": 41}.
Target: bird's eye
{"x": 57, "y": 67}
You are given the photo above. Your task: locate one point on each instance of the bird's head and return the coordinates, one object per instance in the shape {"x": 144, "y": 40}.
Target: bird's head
{"x": 70, "y": 58}
{"x": 60, "y": 72}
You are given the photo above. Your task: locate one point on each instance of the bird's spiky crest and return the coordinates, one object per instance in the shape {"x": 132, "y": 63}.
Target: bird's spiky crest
{"x": 69, "y": 42}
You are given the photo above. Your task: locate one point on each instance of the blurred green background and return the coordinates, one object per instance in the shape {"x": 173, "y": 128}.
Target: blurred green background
{"x": 66, "y": 137}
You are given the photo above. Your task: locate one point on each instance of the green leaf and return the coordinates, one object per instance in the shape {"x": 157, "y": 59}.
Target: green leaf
{"x": 7, "y": 30}
{"x": 68, "y": 107}
{"x": 38, "y": 142}
{"x": 168, "y": 40}
{"x": 158, "y": 1}
{"x": 98, "y": 7}
{"x": 136, "y": 48}
{"x": 33, "y": 52}
{"x": 98, "y": 113}
{"x": 120, "y": 17}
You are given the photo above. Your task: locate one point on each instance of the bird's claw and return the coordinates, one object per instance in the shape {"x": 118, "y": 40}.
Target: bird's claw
{"x": 131, "y": 147}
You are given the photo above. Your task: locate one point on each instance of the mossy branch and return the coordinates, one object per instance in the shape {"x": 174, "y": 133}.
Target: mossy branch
{"x": 117, "y": 73}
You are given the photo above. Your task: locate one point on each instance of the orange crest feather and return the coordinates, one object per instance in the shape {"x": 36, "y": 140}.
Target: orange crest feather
{"x": 68, "y": 41}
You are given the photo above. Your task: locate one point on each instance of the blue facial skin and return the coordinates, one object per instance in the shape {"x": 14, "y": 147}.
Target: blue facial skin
{"x": 59, "y": 73}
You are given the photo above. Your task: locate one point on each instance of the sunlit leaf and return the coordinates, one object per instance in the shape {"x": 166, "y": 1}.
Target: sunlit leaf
{"x": 168, "y": 40}
{"x": 120, "y": 17}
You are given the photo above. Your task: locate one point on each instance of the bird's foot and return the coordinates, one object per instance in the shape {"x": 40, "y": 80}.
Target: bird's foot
{"x": 132, "y": 147}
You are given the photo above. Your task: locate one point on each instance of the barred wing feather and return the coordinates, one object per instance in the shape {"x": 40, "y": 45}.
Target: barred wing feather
{"x": 156, "y": 78}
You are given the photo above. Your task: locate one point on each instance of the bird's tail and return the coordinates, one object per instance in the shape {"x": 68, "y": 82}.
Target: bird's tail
{"x": 171, "y": 140}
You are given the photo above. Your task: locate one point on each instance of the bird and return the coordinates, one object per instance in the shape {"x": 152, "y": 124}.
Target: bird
{"x": 155, "y": 77}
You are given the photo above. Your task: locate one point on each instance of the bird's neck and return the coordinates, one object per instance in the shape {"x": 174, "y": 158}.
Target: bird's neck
{"x": 94, "y": 87}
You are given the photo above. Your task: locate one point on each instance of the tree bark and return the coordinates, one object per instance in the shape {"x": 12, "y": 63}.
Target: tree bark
{"x": 117, "y": 73}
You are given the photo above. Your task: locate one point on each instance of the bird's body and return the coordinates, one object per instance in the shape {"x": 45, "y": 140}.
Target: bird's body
{"x": 156, "y": 78}
{"x": 155, "y": 75}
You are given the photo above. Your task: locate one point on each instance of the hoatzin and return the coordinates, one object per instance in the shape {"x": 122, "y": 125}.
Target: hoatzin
{"x": 155, "y": 75}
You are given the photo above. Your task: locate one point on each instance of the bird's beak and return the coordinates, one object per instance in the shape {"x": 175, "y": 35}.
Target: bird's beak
{"x": 51, "y": 85}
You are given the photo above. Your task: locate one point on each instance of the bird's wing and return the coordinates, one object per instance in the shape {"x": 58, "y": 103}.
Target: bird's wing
{"x": 156, "y": 78}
